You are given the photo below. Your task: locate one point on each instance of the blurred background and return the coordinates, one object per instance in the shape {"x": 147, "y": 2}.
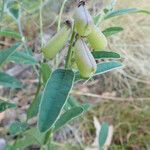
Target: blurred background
{"x": 121, "y": 97}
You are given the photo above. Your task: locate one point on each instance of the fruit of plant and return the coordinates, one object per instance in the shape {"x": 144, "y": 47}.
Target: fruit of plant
{"x": 84, "y": 59}
{"x": 83, "y": 20}
{"x": 56, "y": 43}
{"x": 97, "y": 39}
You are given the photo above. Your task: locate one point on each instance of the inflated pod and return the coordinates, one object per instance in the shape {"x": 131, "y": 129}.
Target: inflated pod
{"x": 97, "y": 39}
{"x": 56, "y": 43}
{"x": 82, "y": 20}
{"x": 84, "y": 59}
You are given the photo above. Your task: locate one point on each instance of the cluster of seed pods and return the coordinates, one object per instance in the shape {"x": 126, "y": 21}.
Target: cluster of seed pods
{"x": 85, "y": 30}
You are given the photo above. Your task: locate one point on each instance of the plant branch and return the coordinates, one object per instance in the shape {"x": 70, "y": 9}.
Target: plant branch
{"x": 68, "y": 58}
{"x": 60, "y": 14}
{"x": 41, "y": 24}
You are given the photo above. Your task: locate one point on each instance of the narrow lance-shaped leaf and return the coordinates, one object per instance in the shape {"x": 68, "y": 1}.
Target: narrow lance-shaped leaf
{"x": 6, "y": 105}
{"x": 115, "y": 13}
{"x": 112, "y": 30}
{"x": 5, "y": 53}
{"x": 107, "y": 66}
{"x": 68, "y": 116}
{"x": 54, "y": 97}
{"x": 102, "y": 68}
{"x": 22, "y": 58}
{"x": 105, "y": 54}
{"x": 103, "y": 134}
{"x": 9, "y": 81}
{"x": 34, "y": 107}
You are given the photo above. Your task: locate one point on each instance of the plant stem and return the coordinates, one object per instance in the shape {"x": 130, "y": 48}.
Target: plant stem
{"x": 24, "y": 41}
{"x": 68, "y": 58}
{"x": 47, "y": 140}
{"x": 60, "y": 14}
{"x": 41, "y": 23}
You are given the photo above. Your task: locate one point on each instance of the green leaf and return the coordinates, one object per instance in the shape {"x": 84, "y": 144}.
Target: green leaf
{"x": 24, "y": 142}
{"x": 6, "y": 105}
{"x": 68, "y": 116}
{"x": 103, "y": 134}
{"x": 107, "y": 66}
{"x": 86, "y": 106}
{"x": 9, "y": 147}
{"x": 22, "y": 58}
{"x": 35, "y": 133}
{"x": 5, "y": 53}
{"x": 115, "y": 13}
{"x": 71, "y": 102}
{"x": 102, "y": 68}
{"x": 54, "y": 97}
{"x": 9, "y": 81}
{"x": 17, "y": 128}
{"x": 34, "y": 107}
{"x": 13, "y": 9}
{"x": 112, "y": 30}
{"x": 45, "y": 72}
{"x": 105, "y": 54}
{"x": 10, "y": 33}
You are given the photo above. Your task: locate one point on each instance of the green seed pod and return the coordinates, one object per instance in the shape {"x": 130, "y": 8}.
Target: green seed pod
{"x": 97, "y": 39}
{"x": 84, "y": 59}
{"x": 83, "y": 20}
{"x": 56, "y": 43}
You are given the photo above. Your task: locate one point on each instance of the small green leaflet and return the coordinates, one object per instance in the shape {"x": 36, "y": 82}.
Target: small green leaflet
{"x": 45, "y": 72}
{"x": 34, "y": 107}
{"x": 10, "y": 33}
{"x": 105, "y": 54}
{"x": 112, "y": 30}
{"x": 17, "y": 127}
{"x": 22, "y": 58}
{"x": 68, "y": 116}
{"x": 102, "y": 68}
{"x": 107, "y": 66}
{"x": 54, "y": 96}
{"x": 115, "y": 13}
{"x": 6, "y": 105}
{"x": 5, "y": 53}
{"x": 9, "y": 81}
{"x": 103, "y": 134}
